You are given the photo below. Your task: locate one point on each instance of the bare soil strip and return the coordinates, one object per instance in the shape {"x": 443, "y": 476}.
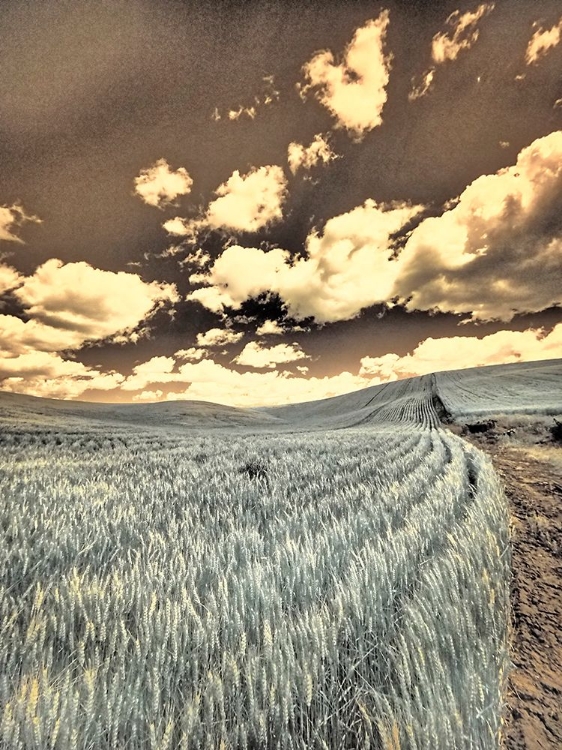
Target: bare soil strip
{"x": 533, "y": 717}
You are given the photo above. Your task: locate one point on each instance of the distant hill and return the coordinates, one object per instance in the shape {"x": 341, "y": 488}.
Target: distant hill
{"x": 529, "y": 387}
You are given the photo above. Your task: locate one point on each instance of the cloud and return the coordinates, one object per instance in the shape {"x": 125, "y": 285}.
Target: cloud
{"x": 218, "y": 337}
{"x": 12, "y": 217}
{"x": 542, "y": 41}
{"x": 178, "y": 226}
{"x": 270, "y": 327}
{"x": 307, "y": 157}
{"x": 192, "y": 354}
{"x": 79, "y": 302}
{"x": 65, "y": 306}
{"x": 354, "y": 91}
{"x": 422, "y": 88}
{"x": 148, "y": 396}
{"x": 460, "y": 352}
{"x": 245, "y": 203}
{"x": 446, "y": 46}
{"x": 9, "y": 278}
{"x": 345, "y": 269}
{"x": 248, "y": 202}
{"x": 214, "y": 337}
{"x": 498, "y": 251}
{"x": 463, "y": 34}
{"x": 236, "y": 114}
{"x": 47, "y": 374}
{"x": 268, "y": 95}
{"x": 159, "y": 185}
{"x": 209, "y": 381}
{"x": 256, "y": 355}
{"x": 494, "y": 252}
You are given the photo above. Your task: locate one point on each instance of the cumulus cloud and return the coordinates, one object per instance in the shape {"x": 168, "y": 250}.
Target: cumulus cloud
{"x": 159, "y": 185}
{"x": 192, "y": 354}
{"x": 445, "y": 46}
{"x": 498, "y": 251}
{"x": 149, "y": 396}
{"x": 9, "y": 278}
{"x": 269, "y": 327}
{"x": 353, "y": 91}
{"x": 248, "y": 202}
{"x": 47, "y": 374}
{"x": 11, "y": 218}
{"x": 218, "y": 337}
{"x": 308, "y": 156}
{"x": 345, "y": 269}
{"x": 65, "y": 306}
{"x": 245, "y": 203}
{"x": 82, "y": 302}
{"x": 542, "y": 41}
{"x": 494, "y": 252}
{"x": 256, "y": 355}
{"x": 460, "y": 352}
{"x": 209, "y": 381}
{"x": 178, "y": 226}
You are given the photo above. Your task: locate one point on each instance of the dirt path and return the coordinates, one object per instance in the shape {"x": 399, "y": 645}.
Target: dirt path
{"x": 533, "y": 717}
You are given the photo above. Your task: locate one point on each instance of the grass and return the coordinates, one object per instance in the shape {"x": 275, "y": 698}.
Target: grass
{"x": 344, "y": 589}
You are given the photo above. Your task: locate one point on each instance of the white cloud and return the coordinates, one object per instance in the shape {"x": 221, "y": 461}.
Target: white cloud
{"x": 269, "y": 327}
{"x": 148, "y": 396}
{"x": 67, "y": 305}
{"x": 268, "y": 95}
{"x": 47, "y": 374}
{"x": 81, "y": 302}
{"x": 307, "y": 157}
{"x": 460, "y": 352}
{"x": 192, "y": 354}
{"x": 355, "y": 90}
{"x": 248, "y": 202}
{"x": 422, "y": 88}
{"x": 178, "y": 226}
{"x": 209, "y": 381}
{"x": 198, "y": 259}
{"x": 346, "y": 268}
{"x": 463, "y": 34}
{"x": 494, "y": 252}
{"x": 542, "y": 41}
{"x": 218, "y": 337}
{"x": 9, "y": 278}
{"x": 446, "y": 46}
{"x": 236, "y": 114}
{"x": 245, "y": 203}
{"x": 12, "y": 217}
{"x": 159, "y": 185}
{"x": 256, "y": 355}
{"x": 498, "y": 251}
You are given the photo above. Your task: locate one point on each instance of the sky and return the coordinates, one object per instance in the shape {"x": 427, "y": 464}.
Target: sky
{"x": 271, "y": 202}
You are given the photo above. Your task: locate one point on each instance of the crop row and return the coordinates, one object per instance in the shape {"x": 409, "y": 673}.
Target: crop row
{"x": 334, "y": 590}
